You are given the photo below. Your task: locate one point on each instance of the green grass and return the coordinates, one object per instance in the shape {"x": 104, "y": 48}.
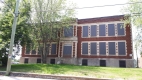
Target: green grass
{"x": 72, "y": 70}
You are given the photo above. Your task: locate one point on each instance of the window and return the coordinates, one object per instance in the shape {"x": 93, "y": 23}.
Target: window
{"x": 111, "y": 48}
{"x": 68, "y": 32}
{"x": 102, "y": 30}
{"x": 26, "y": 60}
{"x": 38, "y": 60}
{"x": 47, "y": 48}
{"x": 40, "y": 50}
{"x": 102, "y": 48}
{"x": 52, "y": 61}
{"x": 111, "y": 30}
{"x": 27, "y": 50}
{"x": 120, "y": 29}
{"x": 53, "y": 49}
{"x": 84, "y": 48}
{"x": 122, "y": 63}
{"x": 33, "y": 51}
{"x": 93, "y": 30}
{"x": 94, "y": 48}
{"x": 103, "y": 63}
{"x": 84, "y": 62}
{"x": 85, "y": 31}
{"x": 121, "y": 48}
{"x": 67, "y": 49}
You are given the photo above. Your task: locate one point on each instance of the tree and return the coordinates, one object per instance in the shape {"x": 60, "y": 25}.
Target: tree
{"x": 48, "y": 20}
{"x": 22, "y": 32}
{"x": 134, "y": 16}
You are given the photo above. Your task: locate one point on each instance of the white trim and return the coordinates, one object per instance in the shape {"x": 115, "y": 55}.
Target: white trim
{"x": 59, "y": 50}
{"x": 75, "y": 49}
{"x": 112, "y": 22}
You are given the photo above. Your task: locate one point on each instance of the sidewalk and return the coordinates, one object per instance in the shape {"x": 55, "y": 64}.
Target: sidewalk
{"x": 21, "y": 78}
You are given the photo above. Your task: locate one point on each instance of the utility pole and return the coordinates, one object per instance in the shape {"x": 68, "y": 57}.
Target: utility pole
{"x": 16, "y": 13}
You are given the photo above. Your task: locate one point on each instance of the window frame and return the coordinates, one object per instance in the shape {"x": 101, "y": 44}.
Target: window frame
{"x": 125, "y": 48}
{"x": 96, "y": 48}
{"x": 99, "y": 30}
{"x": 105, "y": 48}
{"x": 82, "y": 48}
{"x": 70, "y": 44}
{"x": 114, "y": 30}
{"x": 91, "y": 31}
{"x": 115, "y": 49}
{"x": 50, "y": 49}
{"x": 72, "y": 32}
{"x": 83, "y": 31}
{"x": 117, "y": 29}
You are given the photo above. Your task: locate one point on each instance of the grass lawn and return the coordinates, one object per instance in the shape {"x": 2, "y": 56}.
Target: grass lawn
{"x": 72, "y": 70}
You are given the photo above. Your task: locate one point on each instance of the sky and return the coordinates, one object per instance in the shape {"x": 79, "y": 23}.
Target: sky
{"x": 98, "y": 11}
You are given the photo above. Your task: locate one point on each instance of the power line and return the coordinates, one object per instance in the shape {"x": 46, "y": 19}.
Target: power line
{"x": 109, "y": 5}
{"x": 101, "y": 6}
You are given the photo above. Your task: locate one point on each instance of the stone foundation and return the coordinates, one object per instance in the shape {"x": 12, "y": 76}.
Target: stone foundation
{"x": 110, "y": 62}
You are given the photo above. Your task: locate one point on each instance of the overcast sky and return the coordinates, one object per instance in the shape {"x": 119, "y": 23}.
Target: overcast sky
{"x": 98, "y": 11}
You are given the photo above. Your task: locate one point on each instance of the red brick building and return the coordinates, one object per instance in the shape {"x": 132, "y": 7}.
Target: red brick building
{"x": 99, "y": 41}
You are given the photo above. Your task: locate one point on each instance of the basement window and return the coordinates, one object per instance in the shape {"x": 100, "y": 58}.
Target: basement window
{"x": 52, "y": 61}
{"x": 38, "y": 60}
{"x": 103, "y": 63}
{"x": 26, "y": 60}
{"x": 122, "y": 63}
{"x": 84, "y": 62}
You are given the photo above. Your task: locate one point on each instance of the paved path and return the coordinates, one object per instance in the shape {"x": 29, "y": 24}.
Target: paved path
{"x": 20, "y": 78}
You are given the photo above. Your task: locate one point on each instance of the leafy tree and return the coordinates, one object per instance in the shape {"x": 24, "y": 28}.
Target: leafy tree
{"x": 134, "y": 16}
{"x": 48, "y": 19}
{"x": 22, "y": 32}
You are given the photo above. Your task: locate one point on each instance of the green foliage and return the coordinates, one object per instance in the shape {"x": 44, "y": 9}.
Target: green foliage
{"x": 48, "y": 19}
{"x": 22, "y": 31}
{"x": 133, "y": 13}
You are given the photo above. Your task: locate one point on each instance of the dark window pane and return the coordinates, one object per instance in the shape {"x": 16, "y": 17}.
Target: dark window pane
{"x": 26, "y": 60}
{"x": 84, "y": 62}
{"x": 122, "y": 63}
{"x": 85, "y": 31}
{"x": 111, "y": 30}
{"x": 93, "y": 30}
{"x": 52, "y": 61}
{"x": 111, "y": 48}
{"x": 93, "y": 48}
{"x": 121, "y": 48}
{"x": 33, "y": 51}
{"x": 102, "y": 30}
{"x": 120, "y": 29}
{"x": 102, "y": 47}
{"x": 68, "y": 32}
{"x": 84, "y": 48}
{"x": 53, "y": 49}
{"x": 67, "y": 50}
{"x": 38, "y": 60}
{"x": 103, "y": 63}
